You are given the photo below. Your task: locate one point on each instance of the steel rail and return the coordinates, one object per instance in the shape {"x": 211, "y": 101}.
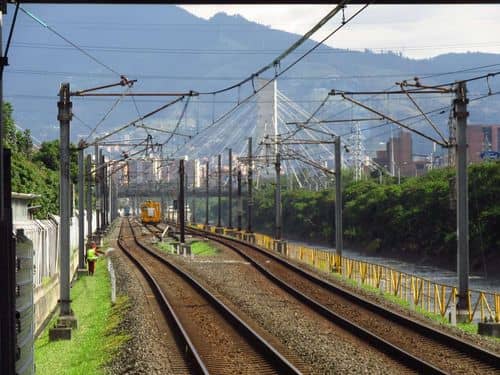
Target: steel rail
{"x": 477, "y": 353}
{"x": 174, "y": 321}
{"x": 269, "y": 352}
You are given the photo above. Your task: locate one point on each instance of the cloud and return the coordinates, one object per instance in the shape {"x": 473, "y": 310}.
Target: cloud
{"x": 419, "y": 31}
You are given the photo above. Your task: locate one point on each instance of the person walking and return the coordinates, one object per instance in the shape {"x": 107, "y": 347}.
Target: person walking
{"x": 92, "y": 257}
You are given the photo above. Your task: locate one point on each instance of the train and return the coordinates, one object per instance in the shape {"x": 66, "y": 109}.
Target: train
{"x": 150, "y": 212}
{"x": 126, "y": 211}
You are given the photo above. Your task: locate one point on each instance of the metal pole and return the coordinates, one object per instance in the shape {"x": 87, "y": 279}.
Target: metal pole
{"x": 181, "y": 198}
{"x": 97, "y": 189}
{"x": 277, "y": 200}
{"x": 219, "y": 189}
{"x": 102, "y": 180}
{"x": 240, "y": 201}
{"x": 7, "y": 276}
{"x": 250, "y": 183}
{"x": 193, "y": 203}
{"x": 206, "y": 200}
{"x": 89, "y": 197}
{"x": 460, "y": 113}
{"x": 64, "y": 117}
{"x": 81, "y": 207}
{"x": 230, "y": 182}
{"x": 3, "y": 182}
{"x": 338, "y": 197}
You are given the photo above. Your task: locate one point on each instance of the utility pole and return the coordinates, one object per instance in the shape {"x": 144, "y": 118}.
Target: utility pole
{"x": 219, "y": 190}
{"x": 207, "y": 195}
{"x": 460, "y": 114}
{"x": 193, "y": 204}
{"x": 186, "y": 189}
{"x": 181, "y": 199}
{"x": 97, "y": 191}
{"x": 277, "y": 201}
{"x": 240, "y": 202}
{"x": 250, "y": 183}
{"x": 89, "y": 197}
{"x": 102, "y": 182}
{"x": 230, "y": 182}
{"x": 81, "y": 219}
{"x": 338, "y": 197}
{"x": 66, "y": 320}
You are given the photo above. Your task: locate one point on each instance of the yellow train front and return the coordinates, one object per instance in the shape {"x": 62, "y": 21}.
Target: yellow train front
{"x": 151, "y": 212}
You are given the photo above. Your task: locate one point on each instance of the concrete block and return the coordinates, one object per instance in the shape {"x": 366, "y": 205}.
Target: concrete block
{"x": 67, "y": 321}
{"x": 462, "y": 316}
{"x": 176, "y": 246}
{"x": 59, "y": 333}
{"x": 489, "y": 329}
{"x": 230, "y": 232}
{"x": 62, "y": 329}
{"x": 280, "y": 246}
{"x": 185, "y": 249}
{"x": 249, "y": 237}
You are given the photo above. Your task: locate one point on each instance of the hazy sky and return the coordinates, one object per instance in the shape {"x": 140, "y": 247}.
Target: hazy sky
{"x": 417, "y": 31}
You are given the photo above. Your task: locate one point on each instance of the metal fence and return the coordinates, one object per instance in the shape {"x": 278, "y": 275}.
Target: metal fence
{"x": 45, "y": 237}
{"x": 424, "y": 294}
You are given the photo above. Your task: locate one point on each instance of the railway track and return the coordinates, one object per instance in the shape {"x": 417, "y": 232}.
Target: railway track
{"x": 215, "y": 339}
{"x": 411, "y": 342}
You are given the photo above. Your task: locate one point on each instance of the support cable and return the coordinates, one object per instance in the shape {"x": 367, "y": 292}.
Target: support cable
{"x": 51, "y": 29}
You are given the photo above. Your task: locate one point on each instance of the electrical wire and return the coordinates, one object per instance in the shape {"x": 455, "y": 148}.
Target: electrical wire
{"x": 51, "y": 29}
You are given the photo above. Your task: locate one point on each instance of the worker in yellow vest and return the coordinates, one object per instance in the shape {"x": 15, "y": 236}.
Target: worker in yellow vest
{"x": 92, "y": 257}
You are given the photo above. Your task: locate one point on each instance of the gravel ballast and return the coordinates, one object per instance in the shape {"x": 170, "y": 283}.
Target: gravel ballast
{"x": 325, "y": 348}
{"x": 151, "y": 349}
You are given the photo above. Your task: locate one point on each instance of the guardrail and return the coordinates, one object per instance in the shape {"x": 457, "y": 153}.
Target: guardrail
{"x": 429, "y": 296}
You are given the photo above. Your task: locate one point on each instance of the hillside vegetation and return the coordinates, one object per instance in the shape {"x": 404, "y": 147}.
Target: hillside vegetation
{"x": 34, "y": 170}
{"x": 416, "y": 219}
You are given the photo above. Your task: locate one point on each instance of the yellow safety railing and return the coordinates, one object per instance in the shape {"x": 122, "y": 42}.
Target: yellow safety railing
{"x": 428, "y": 295}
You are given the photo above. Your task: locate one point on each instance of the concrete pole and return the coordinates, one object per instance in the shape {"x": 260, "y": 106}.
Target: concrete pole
{"x": 240, "y": 201}
{"x": 97, "y": 189}
{"x": 193, "y": 203}
{"x": 181, "y": 198}
{"x": 81, "y": 207}
{"x": 206, "y": 200}
{"x": 338, "y": 197}
{"x": 460, "y": 114}
{"x": 250, "y": 183}
{"x": 186, "y": 184}
{"x": 102, "y": 195}
{"x": 89, "y": 197}
{"x": 277, "y": 199}
{"x": 64, "y": 117}
{"x": 230, "y": 193}
{"x": 219, "y": 190}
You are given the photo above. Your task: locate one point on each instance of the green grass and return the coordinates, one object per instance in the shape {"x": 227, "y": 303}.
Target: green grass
{"x": 203, "y": 248}
{"x": 165, "y": 246}
{"x": 97, "y": 337}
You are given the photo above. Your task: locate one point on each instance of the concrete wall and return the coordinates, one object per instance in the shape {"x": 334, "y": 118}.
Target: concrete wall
{"x": 45, "y": 237}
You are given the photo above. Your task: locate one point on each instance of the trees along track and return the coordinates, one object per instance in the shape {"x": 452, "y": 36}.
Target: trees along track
{"x": 215, "y": 339}
{"x": 411, "y": 342}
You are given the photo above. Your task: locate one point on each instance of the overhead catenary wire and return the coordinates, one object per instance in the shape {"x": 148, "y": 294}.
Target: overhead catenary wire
{"x": 54, "y": 31}
{"x": 284, "y": 54}
{"x": 277, "y": 75}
